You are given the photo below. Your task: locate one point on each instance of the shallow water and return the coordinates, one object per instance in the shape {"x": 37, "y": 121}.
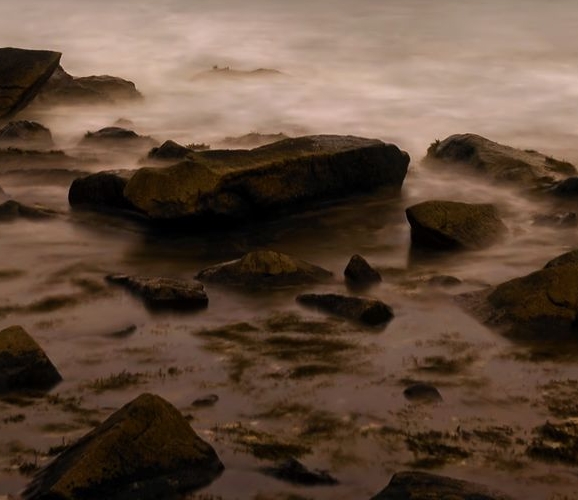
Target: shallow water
{"x": 402, "y": 71}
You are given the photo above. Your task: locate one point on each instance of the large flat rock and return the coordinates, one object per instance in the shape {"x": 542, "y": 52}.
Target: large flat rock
{"x": 23, "y": 73}
{"x": 146, "y": 450}
{"x": 498, "y": 162}
{"x": 241, "y": 184}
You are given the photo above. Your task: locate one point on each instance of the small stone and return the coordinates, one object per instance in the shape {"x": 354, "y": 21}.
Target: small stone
{"x": 358, "y": 271}
{"x": 295, "y": 472}
{"x": 206, "y": 401}
{"x": 422, "y": 393}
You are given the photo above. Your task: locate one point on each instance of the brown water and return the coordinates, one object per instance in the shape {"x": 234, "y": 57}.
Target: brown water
{"x": 407, "y": 72}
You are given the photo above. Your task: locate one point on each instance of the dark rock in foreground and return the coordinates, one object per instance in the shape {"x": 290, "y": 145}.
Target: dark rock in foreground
{"x": 26, "y": 134}
{"x": 448, "y": 225}
{"x": 370, "y": 312}
{"x": 11, "y": 210}
{"x": 295, "y": 472}
{"x": 529, "y": 169}
{"x": 424, "y": 486}
{"x": 241, "y": 184}
{"x": 63, "y": 88}
{"x": 265, "y": 268}
{"x": 101, "y": 190}
{"x": 540, "y": 306}
{"x": 23, "y": 363}
{"x": 144, "y": 451}
{"x": 359, "y": 272}
{"x": 422, "y": 393}
{"x": 164, "y": 293}
{"x": 22, "y": 75}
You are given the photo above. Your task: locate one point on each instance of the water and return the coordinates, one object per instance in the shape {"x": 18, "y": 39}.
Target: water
{"x": 403, "y": 71}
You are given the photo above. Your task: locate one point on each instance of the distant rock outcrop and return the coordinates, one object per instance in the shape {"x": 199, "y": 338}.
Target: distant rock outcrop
{"x": 23, "y": 73}
{"x": 25, "y": 134}
{"x": 145, "y": 451}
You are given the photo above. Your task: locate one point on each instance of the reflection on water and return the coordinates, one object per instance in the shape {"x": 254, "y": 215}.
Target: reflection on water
{"x": 405, "y": 71}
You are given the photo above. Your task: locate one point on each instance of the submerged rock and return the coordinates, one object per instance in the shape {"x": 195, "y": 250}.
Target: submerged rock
{"x": 424, "y": 486}
{"x": 370, "y": 312}
{"x": 206, "y": 401}
{"x": 101, "y": 190}
{"x": 444, "y": 280}
{"x": 241, "y": 184}
{"x": 540, "y": 306}
{"x": 265, "y": 268}
{"x": 11, "y": 210}
{"x": 422, "y": 393}
{"x": 144, "y": 451}
{"x": 359, "y": 272}
{"x": 498, "y": 162}
{"x": 448, "y": 225}
{"x": 295, "y": 472}
{"x": 164, "y": 293}
{"x": 63, "y": 88}
{"x": 23, "y": 73}
{"x": 23, "y": 363}
{"x": 25, "y": 134}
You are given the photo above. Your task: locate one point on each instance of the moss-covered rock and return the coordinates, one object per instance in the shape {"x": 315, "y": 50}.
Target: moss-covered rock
{"x": 265, "y": 268}
{"x": 447, "y": 225}
{"x": 102, "y": 190}
{"x": 23, "y": 73}
{"x": 239, "y": 184}
{"x": 370, "y": 312}
{"x": 526, "y": 168}
{"x": 164, "y": 293}
{"x": 540, "y": 306}
{"x": 146, "y": 450}
{"x": 424, "y": 486}
{"x": 23, "y": 363}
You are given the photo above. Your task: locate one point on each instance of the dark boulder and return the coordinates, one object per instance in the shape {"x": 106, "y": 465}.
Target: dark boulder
{"x": 295, "y": 472}
{"x": 23, "y": 363}
{"x": 65, "y": 89}
{"x": 25, "y": 134}
{"x": 471, "y": 152}
{"x": 241, "y": 184}
{"x": 424, "y": 486}
{"x": 144, "y": 451}
{"x": 164, "y": 293}
{"x": 101, "y": 190}
{"x": 11, "y": 210}
{"x": 169, "y": 151}
{"x": 265, "y": 268}
{"x": 23, "y": 73}
{"x": 540, "y": 306}
{"x": 370, "y": 312}
{"x": 449, "y": 225}
{"x": 359, "y": 272}
{"x": 422, "y": 393}
{"x": 117, "y": 137}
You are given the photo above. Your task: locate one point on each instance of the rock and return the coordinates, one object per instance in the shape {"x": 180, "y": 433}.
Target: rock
{"x": 11, "y": 210}
{"x": 422, "y": 393}
{"x": 424, "y": 486}
{"x": 497, "y": 162}
{"x": 206, "y": 401}
{"x": 23, "y": 363}
{"x": 556, "y": 442}
{"x": 252, "y": 140}
{"x": 144, "y": 451}
{"x": 370, "y": 312}
{"x": 66, "y": 89}
{"x": 164, "y": 293}
{"x": 101, "y": 190}
{"x": 226, "y": 73}
{"x": 117, "y": 137}
{"x": 540, "y": 306}
{"x": 22, "y": 74}
{"x": 169, "y": 150}
{"x": 17, "y": 159}
{"x": 443, "y": 280}
{"x": 568, "y": 188}
{"x": 265, "y": 268}
{"x": 240, "y": 184}
{"x": 26, "y": 134}
{"x": 295, "y": 472}
{"x": 449, "y": 225}
{"x": 359, "y": 272}
{"x": 557, "y": 219}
